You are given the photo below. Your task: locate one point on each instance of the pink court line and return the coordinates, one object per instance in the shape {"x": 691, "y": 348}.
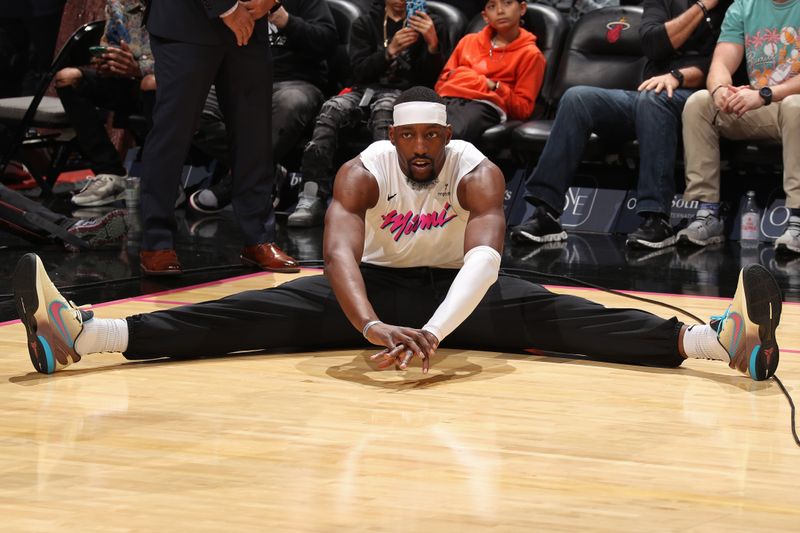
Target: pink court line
{"x": 655, "y": 294}
{"x": 146, "y": 297}
{"x": 151, "y": 300}
{"x": 150, "y": 297}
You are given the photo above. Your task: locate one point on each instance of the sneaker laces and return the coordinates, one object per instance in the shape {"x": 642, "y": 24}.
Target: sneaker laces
{"x": 305, "y": 202}
{"x": 794, "y": 227}
{"x": 95, "y": 183}
{"x": 721, "y": 319}
{"x": 703, "y": 218}
{"x": 80, "y": 315}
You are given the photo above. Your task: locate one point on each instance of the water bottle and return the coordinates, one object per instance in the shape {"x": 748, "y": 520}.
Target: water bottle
{"x": 751, "y": 222}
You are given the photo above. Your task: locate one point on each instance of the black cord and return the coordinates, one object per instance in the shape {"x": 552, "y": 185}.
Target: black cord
{"x": 793, "y": 424}
{"x": 535, "y": 273}
{"x": 604, "y": 289}
{"x": 529, "y": 272}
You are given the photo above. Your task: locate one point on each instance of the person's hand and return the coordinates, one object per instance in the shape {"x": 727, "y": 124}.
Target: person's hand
{"x": 241, "y": 23}
{"x": 721, "y": 97}
{"x": 710, "y": 4}
{"x": 491, "y": 84}
{"x": 402, "y": 40}
{"x": 257, "y": 8}
{"x": 280, "y": 18}
{"x": 743, "y": 100}
{"x": 401, "y": 344}
{"x": 423, "y": 24}
{"x": 665, "y": 82}
{"x": 119, "y": 62}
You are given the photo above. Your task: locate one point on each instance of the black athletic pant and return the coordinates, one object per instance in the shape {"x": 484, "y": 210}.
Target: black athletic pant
{"x": 303, "y": 314}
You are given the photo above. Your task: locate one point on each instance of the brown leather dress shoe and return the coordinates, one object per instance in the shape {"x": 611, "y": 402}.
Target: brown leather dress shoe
{"x": 160, "y": 262}
{"x": 267, "y": 256}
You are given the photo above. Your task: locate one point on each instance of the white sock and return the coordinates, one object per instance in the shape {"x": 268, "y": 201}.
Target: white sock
{"x": 103, "y": 335}
{"x": 700, "y": 342}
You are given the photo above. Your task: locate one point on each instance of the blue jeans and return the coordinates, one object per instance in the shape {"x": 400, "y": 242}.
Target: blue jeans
{"x": 653, "y": 119}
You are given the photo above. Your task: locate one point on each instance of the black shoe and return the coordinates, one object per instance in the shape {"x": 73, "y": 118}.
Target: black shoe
{"x": 215, "y": 198}
{"x": 654, "y": 232}
{"x": 542, "y": 227}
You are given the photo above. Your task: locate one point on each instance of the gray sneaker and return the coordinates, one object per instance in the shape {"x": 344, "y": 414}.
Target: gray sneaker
{"x": 790, "y": 240}
{"x": 705, "y": 229}
{"x": 104, "y": 189}
{"x": 310, "y": 209}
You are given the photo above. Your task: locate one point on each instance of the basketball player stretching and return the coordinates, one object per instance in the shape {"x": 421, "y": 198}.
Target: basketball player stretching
{"x": 412, "y": 252}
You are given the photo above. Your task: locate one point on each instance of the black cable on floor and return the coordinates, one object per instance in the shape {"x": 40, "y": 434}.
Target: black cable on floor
{"x": 601, "y": 288}
{"x": 535, "y": 273}
{"x": 529, "y": 272}
{"x": 793, "y": 423}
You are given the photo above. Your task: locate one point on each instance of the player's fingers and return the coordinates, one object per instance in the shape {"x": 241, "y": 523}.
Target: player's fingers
{"x": 412, "y": 344}
{"x": 386, "y": 363}
{"x": 389, "y": 357}
{"x": 424, "y": 344}
{"x": 407, "y": 355}
{"x": 376, "y": 356}
{"x": 669, "y": 91}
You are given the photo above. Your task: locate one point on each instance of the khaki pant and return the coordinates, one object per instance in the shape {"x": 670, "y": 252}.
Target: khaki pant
{"x": 703, "y": 125}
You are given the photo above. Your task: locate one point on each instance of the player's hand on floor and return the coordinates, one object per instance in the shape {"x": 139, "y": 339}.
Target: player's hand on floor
{"x": 402, "y": 344}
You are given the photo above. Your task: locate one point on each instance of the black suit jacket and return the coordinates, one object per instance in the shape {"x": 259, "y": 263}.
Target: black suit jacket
{"x": 197, "y": 21}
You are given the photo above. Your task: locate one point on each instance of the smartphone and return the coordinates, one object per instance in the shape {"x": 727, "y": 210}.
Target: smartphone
{"x": 412, "y": 6}
{"x": 97, "y": 51}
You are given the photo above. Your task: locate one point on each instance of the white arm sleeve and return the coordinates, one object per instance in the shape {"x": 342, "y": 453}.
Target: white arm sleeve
{"x": 481, "y": 266}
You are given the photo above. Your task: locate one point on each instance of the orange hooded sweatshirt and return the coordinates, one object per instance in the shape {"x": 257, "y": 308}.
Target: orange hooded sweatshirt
{"x": 519, "y": 67}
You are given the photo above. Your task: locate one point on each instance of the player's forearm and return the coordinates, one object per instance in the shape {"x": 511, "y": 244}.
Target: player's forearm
{"x": 480, "y": 270}
{"x": 351, "y": 292}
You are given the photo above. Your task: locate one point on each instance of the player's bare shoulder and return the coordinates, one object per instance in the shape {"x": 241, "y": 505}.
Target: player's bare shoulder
{"x": 355, "y": 186}
{"x": 483, "y": 186}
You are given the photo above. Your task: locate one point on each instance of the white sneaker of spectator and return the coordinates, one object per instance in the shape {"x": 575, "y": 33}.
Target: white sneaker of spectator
{"x": 790, "y": 240}
{"x": 705, "y": 229}
{"x": 310, "y": 209}
{"x": 104, "y": 189}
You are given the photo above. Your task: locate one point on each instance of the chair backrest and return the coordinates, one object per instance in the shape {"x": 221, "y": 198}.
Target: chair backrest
{"x": 454, "y": 20}
{"x": 550, "y": 28}
{"x": 470, "y": 8}
{"x": 602, "y": 50}
{"x": 74, "y": 52}
{"x": 340, "y": 71}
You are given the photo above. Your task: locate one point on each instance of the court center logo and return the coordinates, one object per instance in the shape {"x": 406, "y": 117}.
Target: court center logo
{"x": 615, "y": 29}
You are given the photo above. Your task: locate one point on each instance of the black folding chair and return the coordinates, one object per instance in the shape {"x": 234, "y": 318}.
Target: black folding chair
{"x": 23, "y": 114}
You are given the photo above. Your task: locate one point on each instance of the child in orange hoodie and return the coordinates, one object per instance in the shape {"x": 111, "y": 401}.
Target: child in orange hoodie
{"x": 492, "y": 75}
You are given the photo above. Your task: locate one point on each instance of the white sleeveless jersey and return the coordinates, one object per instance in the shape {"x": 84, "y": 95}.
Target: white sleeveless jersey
{"x": 412, "y": 228}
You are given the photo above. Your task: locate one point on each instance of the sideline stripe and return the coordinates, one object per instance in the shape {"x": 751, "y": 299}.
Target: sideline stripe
{"x": 178, "y": 290}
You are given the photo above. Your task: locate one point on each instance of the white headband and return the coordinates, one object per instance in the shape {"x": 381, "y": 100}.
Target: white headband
{"x": 420, "y": 113}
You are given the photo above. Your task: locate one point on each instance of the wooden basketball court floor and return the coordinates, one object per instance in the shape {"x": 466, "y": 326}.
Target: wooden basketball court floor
{"x": 321, "y": 442}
